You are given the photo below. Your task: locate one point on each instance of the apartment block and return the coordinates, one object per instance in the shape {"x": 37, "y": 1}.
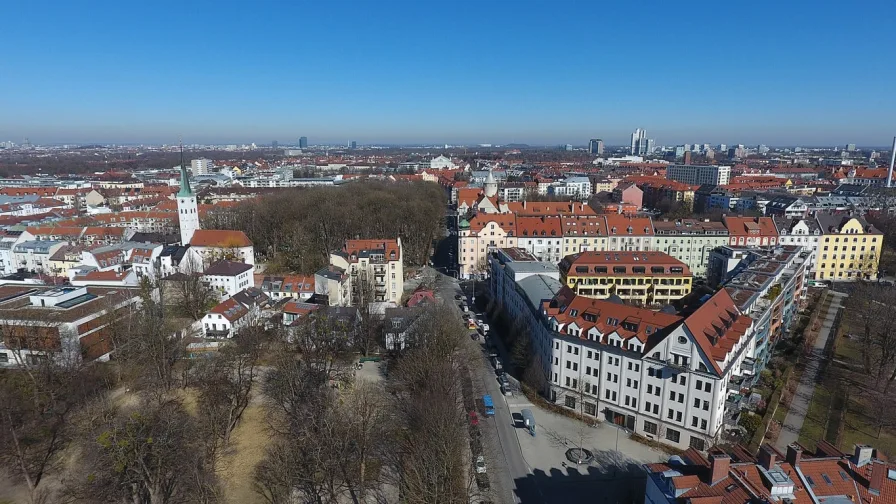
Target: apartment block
{"x": 645, "y": 278}
{"x": 375, "y": 269}
{"x": 689, "y": 240}
{"x": 766, "y": 284}
{"x": 699, "y": 174}
{"x": 849, "y": 248}
{"x": 661, "y": 375}
{"x": 541, "y": 236}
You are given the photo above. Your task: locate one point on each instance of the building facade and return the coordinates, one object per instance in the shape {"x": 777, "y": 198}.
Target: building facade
{"x": 644, "y": 278}
{"x": 690, "y": 241}
{"x": 375, "y": 269}
{"x": 849, "y": 248}
{"x": 699, "y": 174}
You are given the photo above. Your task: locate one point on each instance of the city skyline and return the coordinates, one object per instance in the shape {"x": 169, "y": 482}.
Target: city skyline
{"x": 118, "y": 75}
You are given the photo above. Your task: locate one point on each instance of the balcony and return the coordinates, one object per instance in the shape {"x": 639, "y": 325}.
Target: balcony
{"x": 217, "y": 334}
{"x": 748, "y": 366}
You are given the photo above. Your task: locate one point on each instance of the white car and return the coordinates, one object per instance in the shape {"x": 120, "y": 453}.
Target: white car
{"x": 480, "y": 464}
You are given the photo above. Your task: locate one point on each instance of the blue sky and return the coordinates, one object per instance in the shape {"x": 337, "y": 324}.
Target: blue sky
{"x": 496, "y": 71}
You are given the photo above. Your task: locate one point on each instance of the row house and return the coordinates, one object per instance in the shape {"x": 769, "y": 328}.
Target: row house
{"x": 660, "y": 375}
{"x": 480, "y": 235}
{"x": 750, "y": 231}
{"x": 645, "y": 278}
{"x": 581, "y": 234}
{"x": 627, "y": 233}
{"x": 689, "y": 240}
{"x": 297, "y": 287}
{"x": 804, "y": 232}
{"x": 541, "y": 236}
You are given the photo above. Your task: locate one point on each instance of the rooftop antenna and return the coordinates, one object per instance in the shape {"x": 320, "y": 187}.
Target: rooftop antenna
{"x": 892, "y": 160}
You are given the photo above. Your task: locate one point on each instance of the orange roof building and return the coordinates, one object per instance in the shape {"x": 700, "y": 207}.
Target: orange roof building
{"x": 647, "y": 278}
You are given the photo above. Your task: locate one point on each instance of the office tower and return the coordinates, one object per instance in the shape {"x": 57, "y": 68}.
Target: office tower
{"x": 354, "y": 144}
{"x": 722, "y": 147}
{"x": 274, "y": 144}
{"x": 567, "y": 147}
{"x": 679, "y": 151}
{"x": 762, "y": 149}
{"x": 201, "y": 166}
{"x": 638, "y": 141}
{"x": 687, "y": 147}
{"x": 303, "y": 142}
{"x": 650, "y": 147}
{"x": 687, "y": 157}
{"x": 596, "y": 146}
{"x": 699, "y": 174}
{"x": 851, "y": 147}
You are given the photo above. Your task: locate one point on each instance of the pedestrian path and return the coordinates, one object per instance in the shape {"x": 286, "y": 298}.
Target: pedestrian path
{"x": 799, "y": 406}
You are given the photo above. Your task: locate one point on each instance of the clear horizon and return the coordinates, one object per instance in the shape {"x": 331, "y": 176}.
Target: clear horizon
{"x": 435, "y": 73}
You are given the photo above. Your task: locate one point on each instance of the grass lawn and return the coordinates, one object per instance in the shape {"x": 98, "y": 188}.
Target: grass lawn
{"x": 247, "y": 448}
{"x": 815, "y": 424}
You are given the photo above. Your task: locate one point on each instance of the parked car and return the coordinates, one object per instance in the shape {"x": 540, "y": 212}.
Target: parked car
{"x": 482, "y": 481}
{"x": 503, "y": 380}
{"x": 480, "y": 464}
{"x": 458, "y": 297}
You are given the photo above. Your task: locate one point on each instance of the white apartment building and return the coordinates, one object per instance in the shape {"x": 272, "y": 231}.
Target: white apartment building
{"x": 34, "y": 255}
{"x": 201, "y": 166}
{"x": 804, "y": 233}
{"x": 699, "y": 174}
{"x": 541, "y": 236}
{"x": 480, "y": 235}
{"x": 375, "y": 266}
{"x": 227, "y": 278}
{"x": 661, "y": 375}
{"x": 572, "y": 187}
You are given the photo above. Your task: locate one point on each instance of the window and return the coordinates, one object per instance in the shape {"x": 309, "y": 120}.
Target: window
{"x": 647, "y": 406}
{"x": 697, "y": 443}
{"x": 703, "y": 424}
{"x": 677, "y": 416}
{"x": 567, "y": 381}
{"x": 589, "y": 354}
{"x": 4, "y": 357}
{"x": 590, "y": 409}
{"x": 650, "y": 427}
{"x": 699, "y": 385}
{"x": 570, "y": 401}
{"x": 671, "y": 395}
{"x": 649, "y": 371}
{"x": 693, "y": 421}
{"x": 681, "y": 398}
{"x": 656, "y": 409}
{"x": 705, "y": 405}
{"x": 607, "y": 394}
{"x": 707, "y": 387}
{"x": 587, "y": 370}
{"x": 649, "y": 388}
{"x": 696, "y": 403}
{"x": 673, "y": 435}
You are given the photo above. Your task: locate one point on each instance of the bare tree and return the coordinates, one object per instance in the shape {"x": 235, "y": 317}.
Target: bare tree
{"x": 871, "y": 305}
{"x": 151, "y": 453}
{"x": 225, "y": 384}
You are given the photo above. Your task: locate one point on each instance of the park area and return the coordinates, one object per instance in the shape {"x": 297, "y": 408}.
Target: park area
{"x": 855, "y": 397}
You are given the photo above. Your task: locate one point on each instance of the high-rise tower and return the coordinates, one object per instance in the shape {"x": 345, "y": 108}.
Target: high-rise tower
{"x": 187, "y": 209}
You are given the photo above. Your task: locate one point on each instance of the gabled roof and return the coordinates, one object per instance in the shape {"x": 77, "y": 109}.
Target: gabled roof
{"x": 750, "y": 226}
{"x": 231, "y": 309}
{"x": 542, "y": 227}
{"x": 717, "y": 326}
{"x": 357, "y": 248}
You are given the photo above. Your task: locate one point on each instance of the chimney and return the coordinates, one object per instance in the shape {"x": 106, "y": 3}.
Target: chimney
{"x": 878, "y": 469}
{"x": 794, "y": 454}
{"x": 862, "y": 455}
{"x": 768, "y": 457}
{"x": 719, "y": 463}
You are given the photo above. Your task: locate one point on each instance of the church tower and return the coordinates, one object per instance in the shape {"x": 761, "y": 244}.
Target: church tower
{"x": 187, "y": 209}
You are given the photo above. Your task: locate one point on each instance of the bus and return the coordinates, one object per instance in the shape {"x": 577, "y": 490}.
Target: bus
{"x": 489, "y": 405}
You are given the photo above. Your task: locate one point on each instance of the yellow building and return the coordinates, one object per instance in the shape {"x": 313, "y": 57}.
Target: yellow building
{"x": 647, "y": 278}
{"x": 849, "y": 248}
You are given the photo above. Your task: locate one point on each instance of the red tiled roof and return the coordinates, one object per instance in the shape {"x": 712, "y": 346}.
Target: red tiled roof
{"x": 630, "y": 321}
{"x": 539, "y": 226}
{"x": 717, "y": 326}
{"x": 639, "y": 226}
{"x": 389, "y": 248}
{"x": 750, "y": 226}
{"x": 583, "y": 226}
{"x": 230, "y": 309}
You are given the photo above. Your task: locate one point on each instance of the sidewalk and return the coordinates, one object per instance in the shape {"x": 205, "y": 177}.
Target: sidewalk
{"x": 799, "y": 407}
